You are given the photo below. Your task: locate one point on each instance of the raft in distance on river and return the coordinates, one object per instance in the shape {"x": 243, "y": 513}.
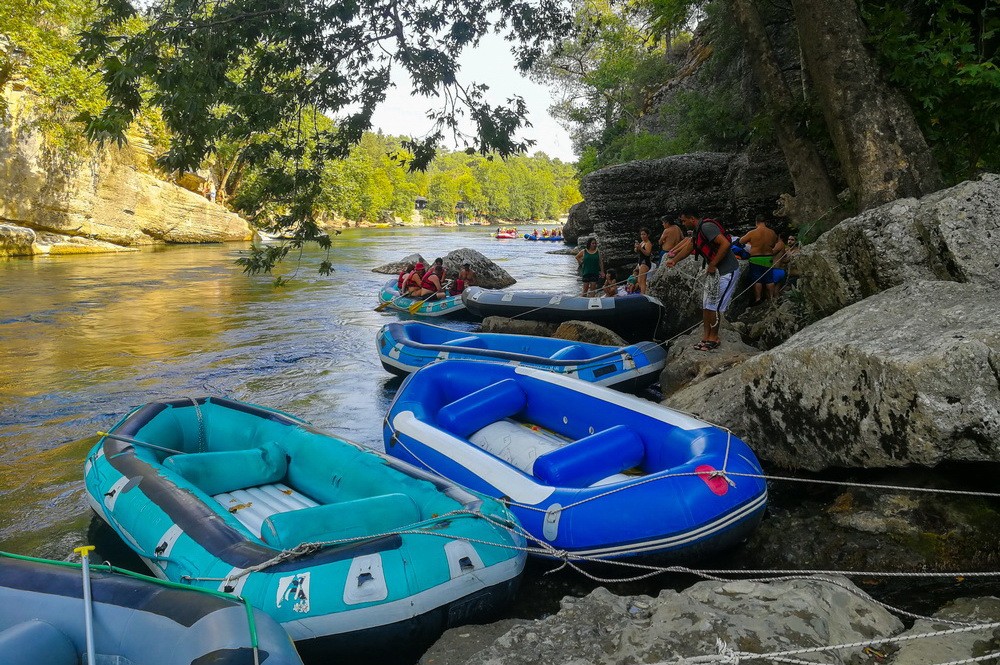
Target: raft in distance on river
{"x": 634, "y": 317}
{"x": 344, "y": 547}
{"x": 587, "y": 470}
{"x": 405, "y": 347}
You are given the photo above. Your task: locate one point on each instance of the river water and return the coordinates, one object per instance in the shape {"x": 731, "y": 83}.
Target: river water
{"x": 85, "y": 338}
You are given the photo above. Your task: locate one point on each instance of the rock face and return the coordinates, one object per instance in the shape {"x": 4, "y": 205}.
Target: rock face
{"x": 949, "y": 235}
{"x": 909, "y": 376}
{"x": 104, "y": 196}
{"x": 680, "y": 290}
{"x": 16, "y": 240}
{"x": 577, "y": 224}
{"x": 621, "y": 199}
{"x": 605, "y": 629}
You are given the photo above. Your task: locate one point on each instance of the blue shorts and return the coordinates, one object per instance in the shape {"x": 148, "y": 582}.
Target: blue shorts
{"x": 761, "y": 274}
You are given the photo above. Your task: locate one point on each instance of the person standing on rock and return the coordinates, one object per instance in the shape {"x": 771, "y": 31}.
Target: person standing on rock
{"x": 711, "y": 242}
{"x": 644, "y": 248}
{"x": 671, "y": 236}
{"x": 592, "y": 266}
{"x": 763, "y": 241}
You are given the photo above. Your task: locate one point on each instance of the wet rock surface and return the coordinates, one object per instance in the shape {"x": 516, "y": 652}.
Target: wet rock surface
{"x": 590, "y": 333}
{"x": 502, "y": 324}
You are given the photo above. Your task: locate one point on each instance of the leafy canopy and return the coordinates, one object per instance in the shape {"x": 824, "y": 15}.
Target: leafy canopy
{"x": 239, "y": 70}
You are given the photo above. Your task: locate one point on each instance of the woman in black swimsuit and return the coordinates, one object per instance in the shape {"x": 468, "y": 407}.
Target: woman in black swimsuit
{"x": 644, "y": 248}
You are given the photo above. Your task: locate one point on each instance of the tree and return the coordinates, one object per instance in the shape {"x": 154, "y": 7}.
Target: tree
{"x": 233, "y": 69}
{"x": 814, "y": 197}
{"x": 882, "y": 152}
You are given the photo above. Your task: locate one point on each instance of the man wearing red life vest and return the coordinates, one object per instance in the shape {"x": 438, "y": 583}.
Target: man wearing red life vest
{"x": 711, "y": 242}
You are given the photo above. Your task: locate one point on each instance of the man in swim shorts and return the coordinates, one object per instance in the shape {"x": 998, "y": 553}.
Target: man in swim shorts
{"x": 762, "y": 241}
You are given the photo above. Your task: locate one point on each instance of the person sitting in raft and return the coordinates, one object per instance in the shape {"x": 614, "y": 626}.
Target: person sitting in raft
{"x": 632, "y": 283}
{"x": 432, "y": 284}
{"x": 404, "y": 274}
{"x": 414, "y": 280}
{"x": 610, "y": 283}
{"x": 463, "y": 280}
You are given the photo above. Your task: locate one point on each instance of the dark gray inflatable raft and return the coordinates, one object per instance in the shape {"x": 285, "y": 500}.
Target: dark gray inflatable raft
{"x": 137, "y": 620}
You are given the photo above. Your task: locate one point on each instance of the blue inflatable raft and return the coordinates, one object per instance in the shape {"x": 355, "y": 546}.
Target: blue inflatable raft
{"x": 336, "y": 542}
{"x": 430, "y": 308}
{"x": 405, "y": 347}
{"x": 587, "y": 470}
{"x": 137, "y": 620}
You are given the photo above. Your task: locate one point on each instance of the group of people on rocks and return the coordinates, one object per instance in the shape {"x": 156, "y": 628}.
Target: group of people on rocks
{"x": 689, "y": 234}
{"x": 418, "y": 281}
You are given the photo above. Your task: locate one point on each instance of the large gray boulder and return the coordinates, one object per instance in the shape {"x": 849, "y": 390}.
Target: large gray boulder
{"x": 604, "y": 629}
{"x": 507, "y": 326}
{"x": 680, "y": 290}
{"x": 909, "y": 376}
{"x": 950, "y": 235}
{"x": 488, "y": 274}
{"x": 589, "y": 333}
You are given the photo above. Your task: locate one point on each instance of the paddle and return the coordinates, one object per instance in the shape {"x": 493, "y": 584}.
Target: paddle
{"x": 412, "y": 309}
{"x": 386, "y": 303}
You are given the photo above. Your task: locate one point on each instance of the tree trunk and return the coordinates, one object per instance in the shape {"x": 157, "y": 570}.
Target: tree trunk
{"x": 814, "y": 197}
{"x": 879, "y": 145}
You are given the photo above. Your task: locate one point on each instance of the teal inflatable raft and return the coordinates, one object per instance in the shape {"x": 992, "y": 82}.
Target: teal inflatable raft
{"x": 341, "y": 545}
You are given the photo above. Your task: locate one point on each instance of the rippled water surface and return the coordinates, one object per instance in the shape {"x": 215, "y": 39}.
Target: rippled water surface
{"x": 85, "y": 338}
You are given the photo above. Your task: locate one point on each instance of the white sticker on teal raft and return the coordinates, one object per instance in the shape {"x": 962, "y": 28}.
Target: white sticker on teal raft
{"x": 294, "y": 590}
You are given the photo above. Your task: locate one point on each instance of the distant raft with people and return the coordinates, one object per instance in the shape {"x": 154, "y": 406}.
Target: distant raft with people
{"x": 390, "y": 298}
{"x": 635, "y": 317}
{"x": 137, "y": 620}
{"x": 341, "y": 545}
{"x": 407, "y": 346}
{"x": 588, "y": 471}
{"x": 552, "y": 238}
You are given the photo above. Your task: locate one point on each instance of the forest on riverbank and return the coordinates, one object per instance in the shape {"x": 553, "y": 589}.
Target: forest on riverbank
{"x": 40, "y": 53}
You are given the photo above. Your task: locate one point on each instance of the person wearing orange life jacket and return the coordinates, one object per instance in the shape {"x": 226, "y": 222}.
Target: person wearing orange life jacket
{"x": 414, "y": 280}
{"x": 404, "y": 275}
{"x": 712, "y": 243}
{"x": 432, "y": 283}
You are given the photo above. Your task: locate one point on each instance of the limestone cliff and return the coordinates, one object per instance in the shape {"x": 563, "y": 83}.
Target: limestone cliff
{"x": 104, "y": 200}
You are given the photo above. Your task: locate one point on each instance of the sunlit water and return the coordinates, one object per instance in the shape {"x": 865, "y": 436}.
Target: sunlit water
{"x": 85, "y": 338}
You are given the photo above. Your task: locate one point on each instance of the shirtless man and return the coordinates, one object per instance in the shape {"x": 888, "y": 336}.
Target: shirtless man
{"x": 671, "y": 236}
{"x": 762, "y": 241}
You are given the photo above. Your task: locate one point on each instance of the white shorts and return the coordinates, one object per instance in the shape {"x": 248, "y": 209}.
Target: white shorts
{"x": 719, "y": 291}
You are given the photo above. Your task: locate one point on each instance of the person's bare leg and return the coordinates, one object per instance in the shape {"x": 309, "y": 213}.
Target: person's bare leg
{"x": 642, "y": 278}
